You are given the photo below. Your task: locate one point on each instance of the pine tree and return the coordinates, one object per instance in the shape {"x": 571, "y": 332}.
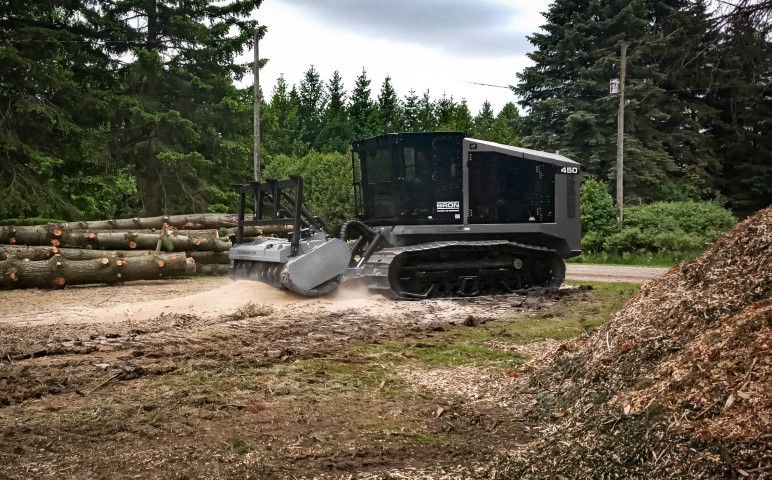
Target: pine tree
{"x": 180, "y": 120}
{"x": 742, "y": 131}
{"x": 312, "y": 98}
{"x": 452, "y": 116}
{"x": 389, "y": 108}
{"x": 483, "y": 122}
{"x": 410, "y": 109}
{"x": 280, "y": 122}
{"x": 55, "y": 100}
{"x": 337, "y": 132}
{"x": 363, "y": 112}
{"x": 506, "y": 128}
{"x": 570, "y": 109}
{"x": 462, "y": 117}
{"x": 427, "y": 113}
{"x": 446, "y": 113}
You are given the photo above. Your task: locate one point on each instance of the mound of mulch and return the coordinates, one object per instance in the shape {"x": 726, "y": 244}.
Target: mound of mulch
{"x": 678, "y": 384}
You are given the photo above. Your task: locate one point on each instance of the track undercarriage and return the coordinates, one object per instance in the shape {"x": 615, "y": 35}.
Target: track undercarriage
{"x": 462, "y": 269}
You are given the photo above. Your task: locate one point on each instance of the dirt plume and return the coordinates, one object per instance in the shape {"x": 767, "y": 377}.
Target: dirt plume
{"x": 677, "y": 385}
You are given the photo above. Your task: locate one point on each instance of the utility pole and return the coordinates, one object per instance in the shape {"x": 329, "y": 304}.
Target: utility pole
{"x": 621, "y": 137}
{"x": 256, "y": 109}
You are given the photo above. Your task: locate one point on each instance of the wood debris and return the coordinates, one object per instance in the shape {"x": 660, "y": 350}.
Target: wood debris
{"x": 677, "y": 385}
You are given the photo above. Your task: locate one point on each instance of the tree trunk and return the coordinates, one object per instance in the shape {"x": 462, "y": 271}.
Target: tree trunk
{"x": 222, "y": 232}
{"x": 29, "y": 253}
{"x": 211, "y": 269}
{"x": 57, "y": 237}
{"x": 182, "y": 222}
{"x": 58, "y": 272}
{"x": 197, "y": 221}
{"x": 89, "y": 254}
{"x": 210, "y": 258}
{"x": 44, "y": 253}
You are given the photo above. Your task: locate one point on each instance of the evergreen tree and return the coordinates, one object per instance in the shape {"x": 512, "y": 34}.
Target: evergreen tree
{"x": 742, "y": 131}
{"x": 570, "y": 110}
{"x": 279, "y": 122}
{"x": 452, "y": 116}
{"x": 337, "y": 132}
{"x": 363, "y": 112}
{"x": 462, "y": 117}
{"x": 506, "y": 128}
{"x": 312, "y": 103}
{"x": 389, "y": 108}
{"x": 483, "y": 122}
{"x": 446, "y": 113}
{"x": 53, "y": 156}
{"x": 410, "y": 109}
{"x": 180, "y": 121}
{"x": 427, "y": 113}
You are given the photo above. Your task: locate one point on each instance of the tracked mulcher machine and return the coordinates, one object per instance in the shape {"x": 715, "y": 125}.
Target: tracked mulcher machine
{"x": 438, "y": 215}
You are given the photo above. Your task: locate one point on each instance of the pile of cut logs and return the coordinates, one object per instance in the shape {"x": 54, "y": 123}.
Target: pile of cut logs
{"x": 113, "y": 251}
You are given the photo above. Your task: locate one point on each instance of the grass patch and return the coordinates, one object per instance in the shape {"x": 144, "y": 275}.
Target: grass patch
{"x": 334, "y": 377}
{"x": 595, "y": 307}
{"x": 238, "y": 446}
{"x": 445, "y": 351}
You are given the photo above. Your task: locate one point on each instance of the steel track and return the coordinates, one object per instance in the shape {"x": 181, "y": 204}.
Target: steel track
{"x": 463, "y": 269}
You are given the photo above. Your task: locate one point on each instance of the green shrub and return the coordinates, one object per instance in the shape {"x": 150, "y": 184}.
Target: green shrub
{"x": 597, "y": 214}
{"x": 699, "y": 218}
{"x": 669, "y": 227}
{"x": 628, "y": 240}
{"x": 327, "y": 183}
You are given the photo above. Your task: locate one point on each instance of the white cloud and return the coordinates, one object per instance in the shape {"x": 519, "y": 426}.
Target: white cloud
{"x": 438, "y": 45}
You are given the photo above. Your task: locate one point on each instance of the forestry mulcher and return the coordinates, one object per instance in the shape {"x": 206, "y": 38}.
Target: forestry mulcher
{"x": 438, "y": 215}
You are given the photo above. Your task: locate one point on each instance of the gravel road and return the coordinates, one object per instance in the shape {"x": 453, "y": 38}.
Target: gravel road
{"x": 612, "y": 273}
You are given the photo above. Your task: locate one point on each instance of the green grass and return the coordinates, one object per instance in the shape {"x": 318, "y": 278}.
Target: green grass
{"x": 454, "y": 350}
{"x": 238, "y": 446}
{"x": 636, "y": 259}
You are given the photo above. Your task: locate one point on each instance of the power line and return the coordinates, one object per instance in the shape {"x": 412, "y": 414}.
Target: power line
{"x": 486, "y": 84}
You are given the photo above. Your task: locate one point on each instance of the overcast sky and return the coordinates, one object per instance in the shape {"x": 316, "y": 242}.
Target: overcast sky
{"x": 440, "y": 45}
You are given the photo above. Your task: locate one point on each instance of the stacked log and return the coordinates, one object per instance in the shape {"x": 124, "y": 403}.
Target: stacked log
{"x": 56, "y": 255}
{"x": 58, "y": 272}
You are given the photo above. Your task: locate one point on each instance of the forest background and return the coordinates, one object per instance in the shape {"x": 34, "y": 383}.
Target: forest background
{"x": 120, "y": 108}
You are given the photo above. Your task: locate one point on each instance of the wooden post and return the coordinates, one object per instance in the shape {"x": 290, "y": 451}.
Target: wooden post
{"x": 620, "y": 137}
{"x": 256, "y": 112}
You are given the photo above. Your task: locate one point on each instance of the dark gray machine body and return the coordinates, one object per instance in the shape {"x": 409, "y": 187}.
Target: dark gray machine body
{"x": 419, "y": 187}
{"x": 438, "y": 215}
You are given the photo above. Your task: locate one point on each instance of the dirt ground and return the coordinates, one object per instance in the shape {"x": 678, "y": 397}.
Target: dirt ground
{"x": 218, "y": 379}
{"x": 612, "y": 273}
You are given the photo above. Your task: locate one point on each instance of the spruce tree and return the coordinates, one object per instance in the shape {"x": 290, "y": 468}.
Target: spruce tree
{"x": 363, "y": 111}
{"x": 446, "y": 113}
{"x": 312, "y": 98}
{"x": 280, "y": 122}
{"x": 462, "y": 117}
{"x": 56, "y": 92}
{"x": 337, "y": 132}
{"x": 742, "y": 130}
{"x": 181, "y": 123}
{"x": 483, "y": 122}
{"x": 410, "y": 109}
{"x": 427, "y": 113}
{"x": 389, "y": 108}
{"x": 570, "y": 109}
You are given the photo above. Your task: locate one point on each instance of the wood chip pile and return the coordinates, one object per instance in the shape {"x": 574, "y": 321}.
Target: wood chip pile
{"x": 677, "y": 385}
